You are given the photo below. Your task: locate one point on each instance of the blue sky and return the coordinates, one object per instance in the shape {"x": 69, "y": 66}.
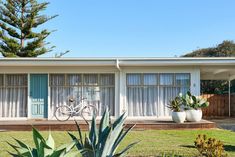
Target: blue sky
{"x": 139, "y": 28}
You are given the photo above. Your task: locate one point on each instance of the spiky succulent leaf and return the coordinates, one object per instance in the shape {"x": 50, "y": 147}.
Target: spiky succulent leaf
{"x": 102, "y": 140}
{"x": 125, "y": 149}
{"x": 66, "y": 147}
{"x": 121, "y": 137}
{"x": 88, "y": 149}
{"x": 20, "y": 150}
{"x": 78, "y": 142}
{"x": 79, "y": 132}
{"x": 43, "y": 148}
{"x": 113, "y": 136}
{"x": 93, "y": 132}
{"x": 109, "y": 137}
{"x": 57, "y": 153}
{"x": 21, "y": 144}
{"x": 37, "y": 137}
{"x": 104, "y": 122}
{"x": 119, "y": 120}
{"x": 51, "y": 143}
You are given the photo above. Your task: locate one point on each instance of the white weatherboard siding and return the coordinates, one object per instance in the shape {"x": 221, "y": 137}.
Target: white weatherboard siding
{"x": 198, "y": 68}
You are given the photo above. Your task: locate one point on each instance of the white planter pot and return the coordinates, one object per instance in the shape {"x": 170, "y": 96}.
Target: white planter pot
{"x": 178, "y": 117}
{"x": 194, "y": 115}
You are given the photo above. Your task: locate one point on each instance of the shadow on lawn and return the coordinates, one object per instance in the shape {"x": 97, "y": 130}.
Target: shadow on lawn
{"x": 188, "y": 146}
{"x": 229, "y": 148}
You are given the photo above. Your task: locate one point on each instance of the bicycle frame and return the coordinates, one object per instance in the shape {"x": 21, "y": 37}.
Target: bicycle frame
{"x": 75, "y": 110}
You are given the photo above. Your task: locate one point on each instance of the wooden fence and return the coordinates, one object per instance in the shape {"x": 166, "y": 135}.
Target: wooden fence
{"x": 232, "y": 104}
{"x": 219, "y": 105}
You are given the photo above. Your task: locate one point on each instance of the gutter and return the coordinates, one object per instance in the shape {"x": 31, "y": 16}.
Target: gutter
{"x": 117, "y": 62}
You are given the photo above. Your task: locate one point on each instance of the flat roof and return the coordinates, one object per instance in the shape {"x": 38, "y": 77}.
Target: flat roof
{"x": 120, "y": 61}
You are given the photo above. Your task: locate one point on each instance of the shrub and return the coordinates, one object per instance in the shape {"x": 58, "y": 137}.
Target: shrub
{"x": 103, "y": 141}
{"x": 43, "y": 148}
{"x": 209, "y": 147}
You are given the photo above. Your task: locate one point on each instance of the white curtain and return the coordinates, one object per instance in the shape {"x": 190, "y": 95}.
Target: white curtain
{"x": 167, "y": 91}
{"x": 13, "y": 96}
{"x": 62, "y": 91}
{"x": 146, "y": 96}
{"x": 142, "y": 101}
{"x": 97, "y": 88}
{"x": 99, "y": 91}
{"x": 142, "y": 94}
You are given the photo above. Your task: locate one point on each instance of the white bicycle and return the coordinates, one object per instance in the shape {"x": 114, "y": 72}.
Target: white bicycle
{"x": 63, "y": 113}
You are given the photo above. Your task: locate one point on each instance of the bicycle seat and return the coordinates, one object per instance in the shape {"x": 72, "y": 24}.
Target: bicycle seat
{"x": 71, "y": 100}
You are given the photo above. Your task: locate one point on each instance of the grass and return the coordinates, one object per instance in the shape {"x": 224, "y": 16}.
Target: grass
{"x": 153, "y": 142}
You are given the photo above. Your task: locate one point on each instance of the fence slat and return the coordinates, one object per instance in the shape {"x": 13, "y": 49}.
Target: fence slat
{"x": 218, "y": 105}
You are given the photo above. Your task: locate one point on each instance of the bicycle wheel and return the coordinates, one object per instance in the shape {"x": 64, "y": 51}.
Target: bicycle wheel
{"x": 62, "y": 113}
{"x": 88, "y": 112}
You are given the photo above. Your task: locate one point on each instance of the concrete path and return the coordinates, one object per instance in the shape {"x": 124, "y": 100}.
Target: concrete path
{"x": 225, "y": 123}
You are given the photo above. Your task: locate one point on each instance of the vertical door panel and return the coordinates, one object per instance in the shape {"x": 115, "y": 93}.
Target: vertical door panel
{"x": 38, "y": 95}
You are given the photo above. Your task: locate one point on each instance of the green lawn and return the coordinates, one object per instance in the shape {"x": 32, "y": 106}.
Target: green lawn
{"x": 153, "y": 142}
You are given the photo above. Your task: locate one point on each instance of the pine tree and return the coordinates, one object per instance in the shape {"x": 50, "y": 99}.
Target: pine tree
{"x": 19, "y": 20}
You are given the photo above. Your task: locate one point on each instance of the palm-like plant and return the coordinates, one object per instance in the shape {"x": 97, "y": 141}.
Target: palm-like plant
{"x": 43, "y": 147}
{"x": 103, "y": 141}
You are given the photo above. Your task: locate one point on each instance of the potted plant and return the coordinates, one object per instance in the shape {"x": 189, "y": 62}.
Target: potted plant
{"x": 193, "y": 107}
{"x": 178, "y": 115}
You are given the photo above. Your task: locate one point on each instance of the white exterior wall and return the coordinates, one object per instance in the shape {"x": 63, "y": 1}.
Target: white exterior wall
{"x": 120, "y": 78}
{"x": 195, "y": 82}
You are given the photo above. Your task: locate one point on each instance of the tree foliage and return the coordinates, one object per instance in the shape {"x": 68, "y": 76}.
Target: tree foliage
{"x": 225, "y": 49}
{"x": 214, "y": 86}
{"x": 19, "y": 20}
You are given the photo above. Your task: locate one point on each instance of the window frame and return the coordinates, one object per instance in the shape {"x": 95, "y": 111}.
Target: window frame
{"x": 3, "y": 82}
{"x": 4, "y": 85}
{"x": 82, "y": 80}
{"x": 158, "y": 80}
{"x": 15, "y": 86}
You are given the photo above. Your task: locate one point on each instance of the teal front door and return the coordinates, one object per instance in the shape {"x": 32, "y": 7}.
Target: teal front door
{"x": 38, "y": 95}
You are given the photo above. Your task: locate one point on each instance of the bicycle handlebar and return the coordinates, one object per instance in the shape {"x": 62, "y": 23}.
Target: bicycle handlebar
{"x": 72, "y": 99}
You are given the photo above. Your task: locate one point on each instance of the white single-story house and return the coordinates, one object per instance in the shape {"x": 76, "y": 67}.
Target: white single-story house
{"x": 32, "y": 88}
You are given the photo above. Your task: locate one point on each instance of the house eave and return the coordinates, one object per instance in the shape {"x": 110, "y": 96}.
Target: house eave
{"x": 180, "y": 61}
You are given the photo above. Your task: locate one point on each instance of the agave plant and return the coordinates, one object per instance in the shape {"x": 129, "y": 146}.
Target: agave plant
{"x": 191, "y": 101}
{"x": 103, "y": 141}
{"x": 43, "y": 147}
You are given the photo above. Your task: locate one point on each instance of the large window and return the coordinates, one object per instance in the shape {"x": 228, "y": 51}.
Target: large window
{"x": 149, "y": 93}
{"x": 99, "y": 89}
{"x": 13, "y": 95}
